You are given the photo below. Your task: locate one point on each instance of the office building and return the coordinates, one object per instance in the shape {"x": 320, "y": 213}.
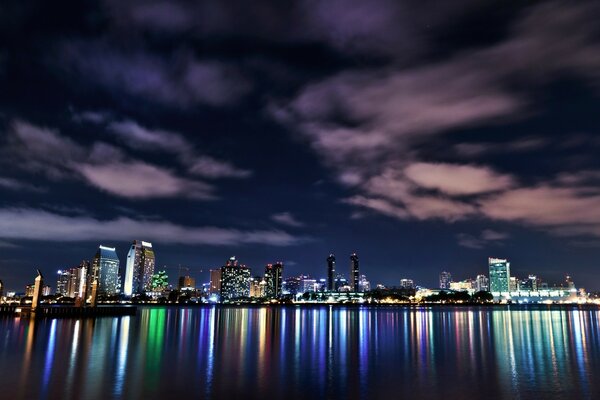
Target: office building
{"x": 309, "y": 285}
{"x": 467, "y": 285}
{"x": 364, "y": 284}
{"x": 62, "y": 282}
{"x": 445, "y": 279}
{"x": 139, "y": 268}
{"x": 1, "y": 289}
{"x": 46, "y": 290}
{"x": 258, "y": 287}
{"x": 482, "y": 283}
{"x": 235, "y": 280}
{"x": 499, "y": 275}
{"x": 354, "y": 273}
{"x": 274, "y": 279}
{"x": 331, "y": 273}
{"x": 29, "y": 289}
{"x": 292, "y": 285}
{"x": 105, "y": 268}
{"x": 215, "y": 281}
{"x": 407, "y": 283}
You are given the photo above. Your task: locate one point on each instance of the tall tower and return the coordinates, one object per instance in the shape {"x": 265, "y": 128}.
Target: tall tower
{"x": 106, "y": 271}
{"x": 331, "y": 273}
{"x": 499, "y": 275}
{"x": 354, "y": 275}
{"x": 140, "y": 268}
{"x": 274, "y": 279}
{"x": 445, "y": 279}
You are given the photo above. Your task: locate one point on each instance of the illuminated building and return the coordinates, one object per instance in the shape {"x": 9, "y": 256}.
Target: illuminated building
{"x": 354, "y": 273}
{"x": 139, "y": 268}
{"x": 215, "y": 281}
{"x": 1, "y": 289}
{"x": 513, "y": 284}
{"x": 482, "y": 283}
{"x": 105, "y": 268}
{"x": 364, "y": 284}
{"x": 235, "y": 280}
{"x": 292, "y": 285}
{"x": 62, "y": 283}
{"x": 72, "y": 282}
{"x": 467, "y": 285}
{"x": 258, "y": 287}
{"x": 29, "y": 289}
{"x": 46, "y": 290}
{"x": 445, "y": 279}
{"x": 499, "y": 276}
{"x": 309, "y": 285}
{"x": 274, "y": 279}
{"x": 331, "y": 273}
{"x": 186, "y": 283}
{"x": 407, "y": 283}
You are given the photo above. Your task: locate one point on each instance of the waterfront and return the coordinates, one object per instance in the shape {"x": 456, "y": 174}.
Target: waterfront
{"x": 294, "y": 352}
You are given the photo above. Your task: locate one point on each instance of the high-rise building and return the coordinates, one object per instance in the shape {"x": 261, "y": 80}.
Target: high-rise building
{"x": 499, "y": 275}
{"x": 292, "y": 285}
{"x": 341, "y": 284}
{"x": 445, "y": 279}
{"x": 29, "y": 289}
{"x": 407, "y": 283}
{"x": 215, "y": 281}
{"x": 1, "y": 289}
{"x": 331, "y": 273}
{"x": 274, "y": 279}
{"x": 105, "y": 268}
{"x": 309, "y": 285}
{"x": 258, "y": 287}
{"x": 482, "y": 283}
{"x": 72, "y": 282}
{"x": 235, "y": 280}
{"x": 364, "y": 284}
{"x": 354, "y": 273}
{"x": 139, "y": 269}
{"x": 62, "y": 282}
{"x": 186, "y": 283}
{"x": 46, "y": 290}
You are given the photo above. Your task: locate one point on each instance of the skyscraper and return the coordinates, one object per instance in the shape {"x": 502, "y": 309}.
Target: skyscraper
{"x": 215, "y": 281}
{"x": 1, "y": 289}
{"x": 445, "y": 279}
{"x": 499, "y": 275}
{"x": 331, "y": 273}
{"x": 139, "y": 269}
{"x": 235, "y": 280}
{"x": 482, "y": 283}
{"x": 62, "y": 282}
{"x": 105, "y": 268}
{"x": 354, "y": 273}
{"x": 274, "y": 279}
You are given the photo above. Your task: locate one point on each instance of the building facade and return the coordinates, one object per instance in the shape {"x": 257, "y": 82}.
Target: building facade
{"x": 139, "y": 269}
{"x": 331, "y": 273}
{"x": 235, "y": 280}
{"x": 215, "y": 281}
{"x": 274, "y": 279}
{"x": 105, "y": 268}
{"x": 445, "y": 279}
{"x": 407, "y": 283}
{"x": 499, "y": 276}
{"x": 354, "y": 273}
{"x": 482, "y": 283}
{"x": 186, "y": 283}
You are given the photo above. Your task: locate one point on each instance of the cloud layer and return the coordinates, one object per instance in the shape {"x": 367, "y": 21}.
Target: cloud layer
{"x": 32, "y": 224}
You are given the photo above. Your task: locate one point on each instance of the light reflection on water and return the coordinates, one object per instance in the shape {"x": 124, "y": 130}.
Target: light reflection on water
{"x": 305, "y": 352}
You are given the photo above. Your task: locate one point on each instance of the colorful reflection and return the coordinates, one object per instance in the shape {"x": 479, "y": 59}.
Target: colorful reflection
{"x": 321, "y": 352}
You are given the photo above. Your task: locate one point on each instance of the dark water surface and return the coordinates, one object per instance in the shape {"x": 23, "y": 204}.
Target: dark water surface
{"x": 248, "y": 353}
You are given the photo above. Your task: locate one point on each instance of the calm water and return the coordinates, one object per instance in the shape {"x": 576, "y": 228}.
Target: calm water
{"x": 454, "y": 353}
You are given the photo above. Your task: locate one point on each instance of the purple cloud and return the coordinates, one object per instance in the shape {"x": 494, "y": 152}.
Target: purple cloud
{"x": 32, "y": 224}
{"x": 286, "y": 218}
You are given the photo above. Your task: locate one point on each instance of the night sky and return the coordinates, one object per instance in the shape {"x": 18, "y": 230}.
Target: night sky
{"x": 425, "y": 136}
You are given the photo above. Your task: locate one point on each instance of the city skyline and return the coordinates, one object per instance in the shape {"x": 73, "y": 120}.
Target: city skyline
{"x": 424, "y": 140}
